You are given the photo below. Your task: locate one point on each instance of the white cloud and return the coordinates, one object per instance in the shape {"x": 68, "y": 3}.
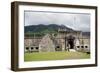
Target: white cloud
{"x": 72, "y": 20}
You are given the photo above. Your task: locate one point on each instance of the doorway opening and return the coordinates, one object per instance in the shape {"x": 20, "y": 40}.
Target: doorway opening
{"x": 70, "y": 41}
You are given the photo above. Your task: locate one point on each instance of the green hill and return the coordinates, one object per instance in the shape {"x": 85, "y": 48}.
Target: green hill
{"x": 45, "y": 28}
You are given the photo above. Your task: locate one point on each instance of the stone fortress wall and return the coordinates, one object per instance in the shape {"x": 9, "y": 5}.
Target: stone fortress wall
{"x": 63, "y": 41}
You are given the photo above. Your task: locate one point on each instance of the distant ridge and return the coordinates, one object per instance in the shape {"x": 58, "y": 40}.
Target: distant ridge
{"x": 41, "y": 28}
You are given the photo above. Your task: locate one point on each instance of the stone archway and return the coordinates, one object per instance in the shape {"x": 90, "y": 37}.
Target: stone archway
{"x": 70, "y": 41}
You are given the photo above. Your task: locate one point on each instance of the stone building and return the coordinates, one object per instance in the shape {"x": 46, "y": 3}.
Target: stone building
{"x": 63, "y": 41}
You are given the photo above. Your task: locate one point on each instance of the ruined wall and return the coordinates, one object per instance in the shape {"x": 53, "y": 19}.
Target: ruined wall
{"x": 46, "y": 44}
{"x": 50, "y": 43}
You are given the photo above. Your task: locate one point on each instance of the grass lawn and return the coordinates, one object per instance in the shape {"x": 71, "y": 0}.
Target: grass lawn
{"x": 36, "y": 56}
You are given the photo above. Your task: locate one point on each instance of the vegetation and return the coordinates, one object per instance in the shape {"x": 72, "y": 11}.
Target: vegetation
{"x": 36, "y": 56}
{"x": 45, "y": 28}
{"x": 41, "y": 29}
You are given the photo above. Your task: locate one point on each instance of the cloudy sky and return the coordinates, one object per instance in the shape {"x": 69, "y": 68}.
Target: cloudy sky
{"x": 75, "y": 21}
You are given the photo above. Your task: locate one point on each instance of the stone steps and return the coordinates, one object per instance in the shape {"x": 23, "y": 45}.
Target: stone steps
{"x": 73, "y": 50}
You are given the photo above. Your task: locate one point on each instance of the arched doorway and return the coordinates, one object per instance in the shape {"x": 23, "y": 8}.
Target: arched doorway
{"x": 70, "y": 42}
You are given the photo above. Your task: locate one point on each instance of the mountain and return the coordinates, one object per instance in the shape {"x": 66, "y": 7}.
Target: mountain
{"x": 41, "y": 28}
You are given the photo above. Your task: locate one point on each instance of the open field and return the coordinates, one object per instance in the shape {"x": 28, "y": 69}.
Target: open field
{"x": 35, "y": 56}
